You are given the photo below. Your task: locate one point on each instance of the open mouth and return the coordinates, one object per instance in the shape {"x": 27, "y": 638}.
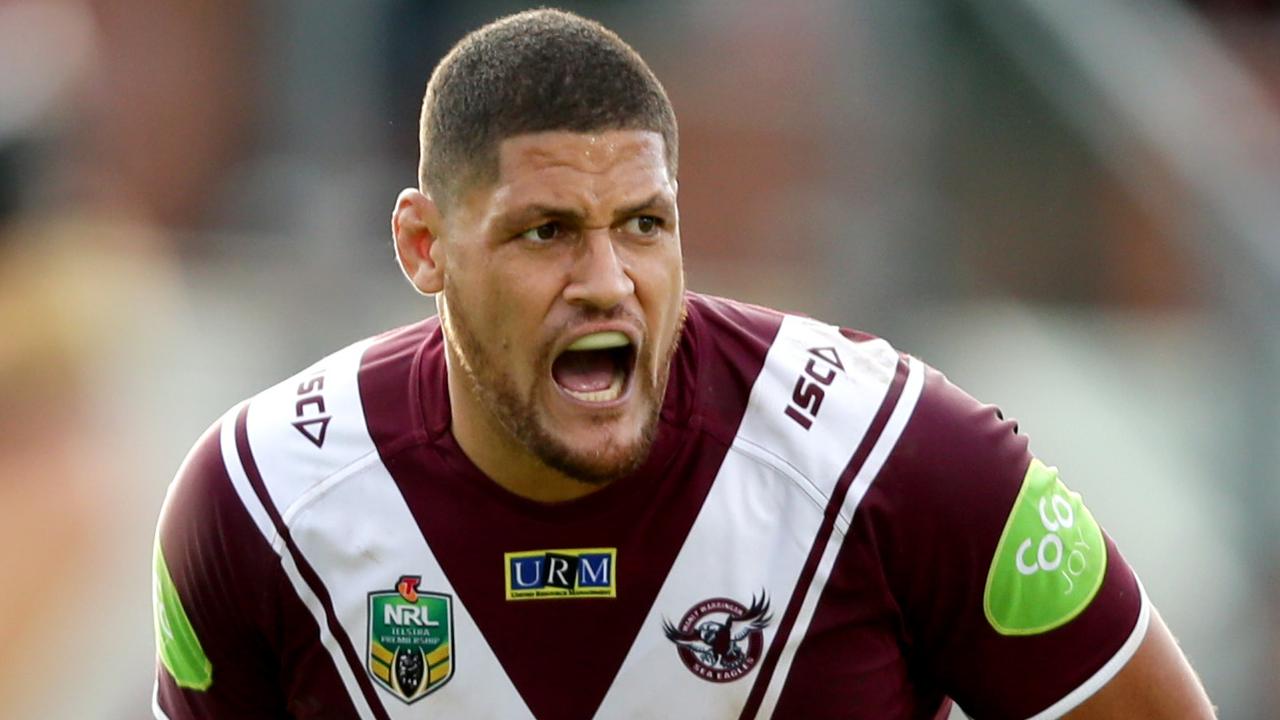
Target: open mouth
{"x": 596, "y": 367}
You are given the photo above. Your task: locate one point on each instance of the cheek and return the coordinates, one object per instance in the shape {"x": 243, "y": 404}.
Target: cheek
{"x": 513, "y": 313}
{"x": 660, "y": 290}
{"x": 659, "y": 280}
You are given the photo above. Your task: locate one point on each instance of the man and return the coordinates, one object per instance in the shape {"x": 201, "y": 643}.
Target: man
{"x": 584, "y": 492}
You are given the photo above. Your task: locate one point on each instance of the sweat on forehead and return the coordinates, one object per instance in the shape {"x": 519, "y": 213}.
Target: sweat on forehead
{"x": 535, "y": 71}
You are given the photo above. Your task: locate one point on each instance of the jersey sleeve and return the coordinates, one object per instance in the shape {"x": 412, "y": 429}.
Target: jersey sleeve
{"x": 214, "y": 582}
{"x": 1013, "y": 600}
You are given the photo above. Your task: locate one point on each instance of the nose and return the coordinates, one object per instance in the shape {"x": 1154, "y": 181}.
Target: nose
{"x": 599, "y": 276}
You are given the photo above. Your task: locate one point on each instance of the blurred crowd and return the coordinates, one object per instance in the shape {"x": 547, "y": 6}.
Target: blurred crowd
{"x": 194, "y": 203}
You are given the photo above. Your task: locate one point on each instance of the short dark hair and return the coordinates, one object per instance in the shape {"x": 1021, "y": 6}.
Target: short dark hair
{"x": 534, "y": 71}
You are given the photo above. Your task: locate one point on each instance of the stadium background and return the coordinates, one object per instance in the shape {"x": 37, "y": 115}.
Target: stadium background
{"x": 1071, "y": 208}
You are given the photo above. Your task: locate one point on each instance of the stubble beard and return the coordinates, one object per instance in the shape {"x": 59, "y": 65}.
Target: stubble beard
{"x": 520, "y": 416}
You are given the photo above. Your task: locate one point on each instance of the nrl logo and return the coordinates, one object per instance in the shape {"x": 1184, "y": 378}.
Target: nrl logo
{"x": 410, "y": 639}
{"x": 719, "y": 639}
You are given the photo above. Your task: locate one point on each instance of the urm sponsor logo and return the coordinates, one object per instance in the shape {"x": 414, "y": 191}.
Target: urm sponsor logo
{"x": 561, "y": 573}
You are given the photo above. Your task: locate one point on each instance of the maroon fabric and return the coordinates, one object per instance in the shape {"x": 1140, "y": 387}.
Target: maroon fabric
{"x": 259, "y": 638}
{"x": 563, "y": 654}
{"x": 908, "y": 584}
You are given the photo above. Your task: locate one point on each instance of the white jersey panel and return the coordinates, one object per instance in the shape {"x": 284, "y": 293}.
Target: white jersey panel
{"x": 350, "y": 523}
{"x": 769, "y": 496}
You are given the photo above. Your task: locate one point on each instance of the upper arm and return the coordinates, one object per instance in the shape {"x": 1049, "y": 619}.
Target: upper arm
{"x": 1157, "y": 682}
{"x": 212, "y": 583}
{"x": 1013, "y": 600}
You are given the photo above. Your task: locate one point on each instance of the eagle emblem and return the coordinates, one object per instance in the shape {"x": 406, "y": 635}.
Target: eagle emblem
{"x": 721, "y": 640}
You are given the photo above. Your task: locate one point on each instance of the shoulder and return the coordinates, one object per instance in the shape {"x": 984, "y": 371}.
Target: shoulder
{"x": 933, "y": 452}
{"x": 295, "y": 433}
{"x": 942, "y": 498}
{"x": 816, "y": 392}
{"x": 314, "y": 414}
{"x": 313, "y": 424}
{"x": 955, "y": 451}
{"x": 741, "y": 334}
{"x": 202, "y": 518}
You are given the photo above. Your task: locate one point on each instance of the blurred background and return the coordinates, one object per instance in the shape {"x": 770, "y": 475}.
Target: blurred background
{"x": 1072, "y": 208}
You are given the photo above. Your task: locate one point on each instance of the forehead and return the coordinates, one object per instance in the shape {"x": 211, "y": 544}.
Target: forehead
{"x": 586, "y": 152}
{"x": 599, "y": 163}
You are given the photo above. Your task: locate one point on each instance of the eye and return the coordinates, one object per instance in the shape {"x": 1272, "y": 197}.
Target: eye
{"x": 645, "y": 225}
{"x": 543, "y": 232}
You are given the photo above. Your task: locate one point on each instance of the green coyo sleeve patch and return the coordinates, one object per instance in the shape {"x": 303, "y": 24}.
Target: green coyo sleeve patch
{"x": 176, "y": 640}
{"x": 1049, "y": 562}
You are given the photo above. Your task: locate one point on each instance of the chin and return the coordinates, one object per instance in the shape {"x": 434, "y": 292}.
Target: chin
{"x": 598, "y": 457}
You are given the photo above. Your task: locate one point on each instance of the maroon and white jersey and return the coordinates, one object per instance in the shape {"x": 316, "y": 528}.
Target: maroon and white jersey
{"x": 821, "y": 531}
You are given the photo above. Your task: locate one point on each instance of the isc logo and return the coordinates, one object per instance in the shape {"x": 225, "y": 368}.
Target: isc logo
{"x": 806, "y": 398}
{"x": 312, "y": 418}
{"x": 539, "y": 574}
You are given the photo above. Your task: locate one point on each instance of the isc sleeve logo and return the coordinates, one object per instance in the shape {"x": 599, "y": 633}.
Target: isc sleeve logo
{"x": 1049, "y": 562}
{"x": 809, "y": 392}
{"x": 309, "y": 409}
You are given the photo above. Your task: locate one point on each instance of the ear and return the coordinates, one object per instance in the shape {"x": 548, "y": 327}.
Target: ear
{"x": 415, "y": 225}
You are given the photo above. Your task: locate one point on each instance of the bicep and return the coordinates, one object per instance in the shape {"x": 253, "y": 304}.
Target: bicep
{"x": 1157, "y": 682}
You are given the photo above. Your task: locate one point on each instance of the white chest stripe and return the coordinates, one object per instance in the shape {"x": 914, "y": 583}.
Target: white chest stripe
{"x": 240, "y": 480}
{"x": 870, "y": 468}
{"x": 350, "y": 523}
{"x": 760, "y": 519}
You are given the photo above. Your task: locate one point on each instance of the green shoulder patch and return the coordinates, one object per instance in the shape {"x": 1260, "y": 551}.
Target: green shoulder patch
{"x": 1049, "y": 562}
{"x": 176, "y": 640}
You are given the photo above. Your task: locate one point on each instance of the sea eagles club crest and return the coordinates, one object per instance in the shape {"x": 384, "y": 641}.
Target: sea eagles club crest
{"x": 719, "y": 639}
{"x": 410, "y": 639}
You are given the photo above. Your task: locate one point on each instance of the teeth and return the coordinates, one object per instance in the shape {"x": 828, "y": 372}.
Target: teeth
{"x": 601, "y": 341}
{"x": 610, "y": 393}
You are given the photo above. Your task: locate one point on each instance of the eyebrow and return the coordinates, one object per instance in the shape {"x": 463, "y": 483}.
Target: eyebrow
{"x": 526, "y": 214}
{"x": 657, "y": 201}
